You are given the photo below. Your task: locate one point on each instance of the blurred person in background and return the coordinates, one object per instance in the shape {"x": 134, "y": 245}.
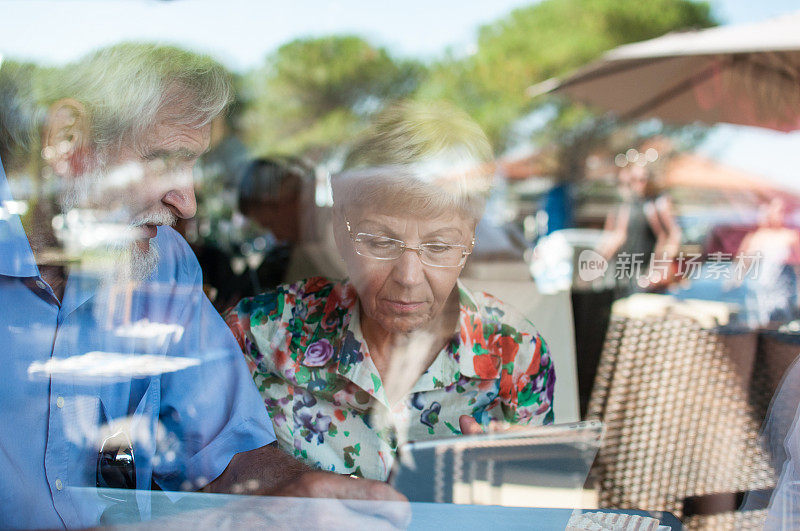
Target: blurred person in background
{"x": 118, "y": 372}
{"x": 277, "y": 194}
{"x": 400, "y": 350}
{"x": 771, "y": 295}
{"x": 640, "y": 231}
{"x": 273, "y": 200}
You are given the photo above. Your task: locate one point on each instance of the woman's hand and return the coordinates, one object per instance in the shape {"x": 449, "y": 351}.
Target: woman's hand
{"x": 470, "y": 426}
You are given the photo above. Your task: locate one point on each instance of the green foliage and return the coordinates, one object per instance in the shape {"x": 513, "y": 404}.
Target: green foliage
{"x": 17, "y": 111}
{"x": 549, "y": 39}
{"x": 313, "y": 94}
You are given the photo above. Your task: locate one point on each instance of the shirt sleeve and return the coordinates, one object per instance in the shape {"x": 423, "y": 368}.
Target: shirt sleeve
{"x": 534, "y": 380}
{"x": 256, "y": 324}
{"x": 211, "y": 410}
{"x": 525, "y": 390}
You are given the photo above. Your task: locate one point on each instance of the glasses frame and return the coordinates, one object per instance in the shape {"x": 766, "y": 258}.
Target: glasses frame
{"x": 465, "y": 250}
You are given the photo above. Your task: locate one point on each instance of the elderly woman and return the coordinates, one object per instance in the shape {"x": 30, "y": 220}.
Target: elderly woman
{"x": 401, "y": 350}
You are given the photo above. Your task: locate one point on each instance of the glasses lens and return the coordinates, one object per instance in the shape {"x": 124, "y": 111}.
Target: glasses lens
{"x": 378, "y": 246}
{"x": 442, "y": 255}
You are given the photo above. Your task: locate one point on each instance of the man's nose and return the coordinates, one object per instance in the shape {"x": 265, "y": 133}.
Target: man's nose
{"x": 180, "y": 198}
{"x": 408, "y": 269}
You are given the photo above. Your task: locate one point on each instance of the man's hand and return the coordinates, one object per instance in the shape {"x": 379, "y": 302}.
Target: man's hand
{"x": 363, "y": 502}
{"x": 269, "y": 471}
{"x": 317, "y": 484}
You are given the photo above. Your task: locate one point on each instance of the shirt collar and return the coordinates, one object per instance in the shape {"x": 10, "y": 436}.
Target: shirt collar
{"x": 353, "y": 360}
{"x": 16, "y": 256}
{"x": 455, "y": 361}
{"x": 469, "y": 311}
{"x": 452, "y": 363}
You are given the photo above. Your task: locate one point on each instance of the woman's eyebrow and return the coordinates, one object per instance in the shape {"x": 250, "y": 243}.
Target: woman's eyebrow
{"x": 372, "y": 226}
{"x": 447, "y": 231}
{"x": 376, "y": 227}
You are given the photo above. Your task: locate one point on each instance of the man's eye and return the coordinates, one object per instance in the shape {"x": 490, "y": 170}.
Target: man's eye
{"x": 159, "y": 163}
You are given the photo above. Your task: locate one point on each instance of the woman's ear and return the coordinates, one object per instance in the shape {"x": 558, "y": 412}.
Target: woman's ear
{"x": 66, "y": 138}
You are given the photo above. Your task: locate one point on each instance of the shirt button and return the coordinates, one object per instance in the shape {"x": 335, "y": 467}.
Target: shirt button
{"x": 41, "y": 285}
{"x": 59, "y": 485}
{"x": 60, "y": 402}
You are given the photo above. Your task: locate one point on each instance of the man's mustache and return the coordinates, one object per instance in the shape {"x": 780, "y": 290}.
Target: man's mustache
{"x": 157, "y": 218}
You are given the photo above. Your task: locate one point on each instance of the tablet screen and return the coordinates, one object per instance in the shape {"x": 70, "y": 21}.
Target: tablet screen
{"x": 545, "y": 466}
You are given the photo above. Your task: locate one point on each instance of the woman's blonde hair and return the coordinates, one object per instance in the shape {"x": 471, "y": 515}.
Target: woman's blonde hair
{"x": 427, "y": 158}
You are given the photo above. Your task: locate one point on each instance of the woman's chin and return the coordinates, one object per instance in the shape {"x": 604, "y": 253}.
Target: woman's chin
{"x": 404, "y": 325}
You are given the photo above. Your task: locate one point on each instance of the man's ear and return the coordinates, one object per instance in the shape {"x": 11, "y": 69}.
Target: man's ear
{"x": 66, "y": 139}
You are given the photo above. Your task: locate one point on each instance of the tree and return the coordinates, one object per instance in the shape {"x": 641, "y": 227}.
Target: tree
{"x": 549, "y": 39}
{"x": 17, "y": 112}
{"x": 313, "y": 94}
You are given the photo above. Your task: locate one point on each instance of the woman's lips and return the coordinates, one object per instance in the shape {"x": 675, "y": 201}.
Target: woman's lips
{"x": 401, "y": 306}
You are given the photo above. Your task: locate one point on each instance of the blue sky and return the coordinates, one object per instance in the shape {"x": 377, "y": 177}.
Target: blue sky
{"x": 242, "y": 33}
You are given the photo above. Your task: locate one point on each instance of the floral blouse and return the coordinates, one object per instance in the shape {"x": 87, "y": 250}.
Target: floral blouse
{"x": 308, "y": 358}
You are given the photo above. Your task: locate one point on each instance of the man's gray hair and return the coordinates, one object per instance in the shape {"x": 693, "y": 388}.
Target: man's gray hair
{"x": 125, "y": 89}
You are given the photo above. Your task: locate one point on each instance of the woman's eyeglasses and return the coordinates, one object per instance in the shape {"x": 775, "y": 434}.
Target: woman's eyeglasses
{"x": 434, "y": 254}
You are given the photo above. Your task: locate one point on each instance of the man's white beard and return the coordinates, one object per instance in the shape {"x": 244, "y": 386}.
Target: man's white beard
{"x": 143, "y": 263}
{"x": 131, "y": 263}
{"x": 134, "y": 265}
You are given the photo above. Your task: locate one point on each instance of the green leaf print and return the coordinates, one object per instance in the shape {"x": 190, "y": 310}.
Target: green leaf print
{"x": 510, "y": 331}
{"x": 302, "y": 375}
{"x": 349, "y": 452}
{"x": 528, "y": 398}
{"x": 376, "y": 382}
{"x": 478, "y": 349}
{"x": 465, "y": 300}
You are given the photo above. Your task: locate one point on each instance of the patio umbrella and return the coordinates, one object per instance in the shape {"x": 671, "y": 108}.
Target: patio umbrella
{"x": 745, "y": 74}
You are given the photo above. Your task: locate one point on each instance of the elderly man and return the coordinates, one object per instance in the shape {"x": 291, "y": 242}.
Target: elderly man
{"x": 117, "y": 370}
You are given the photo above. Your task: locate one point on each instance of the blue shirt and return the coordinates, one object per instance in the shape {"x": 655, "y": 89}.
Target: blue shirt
{"x": 155, "y": 362}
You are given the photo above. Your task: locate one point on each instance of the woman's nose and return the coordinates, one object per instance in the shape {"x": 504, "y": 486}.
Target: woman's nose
{"x": 408, "y": 269}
